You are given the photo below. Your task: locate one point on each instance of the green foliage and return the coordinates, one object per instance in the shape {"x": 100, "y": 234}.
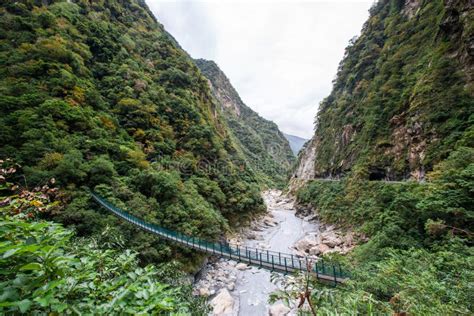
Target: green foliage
{"x": 260, "y": 143}
{"x": 419, "y": 257}
{"x": 44, "y": 270}
{"x": 98, "y": 96}
{"x": 401, "y": 100}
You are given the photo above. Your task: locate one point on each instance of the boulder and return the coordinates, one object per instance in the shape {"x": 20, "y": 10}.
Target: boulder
{"x": 314, "y": 251}
{"x": 331, "y": 239}
{"x": 251, "y": 235}
{"x": 270, "y": 222}
{"x": 305, "y": 244}
{"x": 223, "y": 303}
{"x": 349, "y": 239}
{"x": 323, "y": 248}
{"x": 204, "y": 291}
{"x": 241, "y": 266}
{"x": 278, "y": 309}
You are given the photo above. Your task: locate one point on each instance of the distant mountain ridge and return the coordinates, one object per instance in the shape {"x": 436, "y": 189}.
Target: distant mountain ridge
{"x": 296, "y": 142}
{"x": 264, "y": 146}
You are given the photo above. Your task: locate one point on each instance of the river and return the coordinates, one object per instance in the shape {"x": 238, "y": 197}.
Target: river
{"x": 250, "y": 287}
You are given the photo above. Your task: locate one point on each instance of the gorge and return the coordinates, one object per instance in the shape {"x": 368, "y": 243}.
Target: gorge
{"x": 96, "y": 96}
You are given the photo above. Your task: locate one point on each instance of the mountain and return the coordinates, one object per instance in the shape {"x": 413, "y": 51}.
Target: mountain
{"x": 264, "y": 146}
{"x": 296, "y": 142}
{"x": 403, "y": 97}
{"x": 391, "y": 162}
{"x": 98, "y": 96}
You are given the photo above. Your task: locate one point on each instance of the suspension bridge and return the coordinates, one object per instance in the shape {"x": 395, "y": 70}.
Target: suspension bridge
{"x": 262, "y": 258}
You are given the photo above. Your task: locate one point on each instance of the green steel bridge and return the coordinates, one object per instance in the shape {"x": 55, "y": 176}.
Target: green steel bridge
{"x": 274, "y": 261}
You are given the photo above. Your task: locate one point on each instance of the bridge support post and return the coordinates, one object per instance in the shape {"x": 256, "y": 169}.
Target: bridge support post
{"x": 238, "y": 252}
{"x": 334, "y": 271}
{"x": 273, "y": 264}
{"x": 286, "y": 268}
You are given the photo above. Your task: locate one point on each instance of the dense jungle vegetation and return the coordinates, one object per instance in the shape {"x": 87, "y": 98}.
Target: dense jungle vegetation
{"x": 98, "y": 96}
{"x": 403, "y": 93}
{"x": 46, "y": 269}
{"x": 417, "y": 256}
{"x": 265, "y": 148}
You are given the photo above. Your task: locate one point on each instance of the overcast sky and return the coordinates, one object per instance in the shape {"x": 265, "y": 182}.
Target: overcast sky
{"x": 281, "y": 56}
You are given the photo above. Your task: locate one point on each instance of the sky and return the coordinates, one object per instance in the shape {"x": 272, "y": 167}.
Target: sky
{"x": 281, "y": 56}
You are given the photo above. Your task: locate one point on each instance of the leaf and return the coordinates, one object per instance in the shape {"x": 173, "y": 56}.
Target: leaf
{"x": 10, "y": 252}
{"x": 24, "y": 305}
{"x": 33, "y": 266}
{"x": 44, "y": 301}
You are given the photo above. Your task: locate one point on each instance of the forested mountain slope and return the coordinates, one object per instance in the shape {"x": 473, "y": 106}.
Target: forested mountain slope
{"x": 402, "y": 108}
{"x": 97, "y": 95}
{"x": 403, "y": 95}
{"x": 264, "y": 146}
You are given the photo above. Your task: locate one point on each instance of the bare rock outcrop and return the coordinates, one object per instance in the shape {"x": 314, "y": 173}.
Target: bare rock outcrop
{"x": 223, "y": 304}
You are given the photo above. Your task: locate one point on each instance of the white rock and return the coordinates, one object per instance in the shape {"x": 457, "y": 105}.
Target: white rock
{"x": 204, "y": 291}
{"x": 332, "y": 242}
{"x": 314, "y": 251}
{"x": 323, "y": 248}
{"x": 241, "y": 266}
{"x": 306, "y": 243}
{"x": 223, "y": 303}
{"x": 251, "y": 236}
{"x": 278, "y": 309}
{"x": 269, "y": 222}
{"x": 231, "y": 286}
{"x": 331, "y": 239}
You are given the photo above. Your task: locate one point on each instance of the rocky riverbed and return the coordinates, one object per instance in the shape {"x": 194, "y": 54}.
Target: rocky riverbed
{"x": 237, "y": 289}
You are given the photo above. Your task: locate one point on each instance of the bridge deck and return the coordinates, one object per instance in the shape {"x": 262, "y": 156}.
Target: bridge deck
{"x": 275, "y": 261}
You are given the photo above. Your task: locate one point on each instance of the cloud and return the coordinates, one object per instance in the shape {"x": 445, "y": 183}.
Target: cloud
{"x": 281, "y": 56}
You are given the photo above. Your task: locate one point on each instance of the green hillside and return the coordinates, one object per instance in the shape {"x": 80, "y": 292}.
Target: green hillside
{"x": 265, "y": 148}
{"x": 404, "y": 92}
{"x": 401, "y": 108}
{"x": 97, "y": 95}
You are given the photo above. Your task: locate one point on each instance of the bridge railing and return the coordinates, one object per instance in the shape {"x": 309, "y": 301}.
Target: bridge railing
{"x": 259, "y": 257}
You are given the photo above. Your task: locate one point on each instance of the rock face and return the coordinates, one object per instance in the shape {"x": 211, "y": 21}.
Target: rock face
{"x": 262, "y": 143}
{"x": 387, "y": 130}
{"x": 222, "y": 304}
{"x": 306, "y": 159}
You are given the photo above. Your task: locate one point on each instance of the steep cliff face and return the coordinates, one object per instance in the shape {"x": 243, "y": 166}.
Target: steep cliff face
{"x": 263, "y": 145}
{"x": 97, "y": 95}
{"x": 403, "y": 95}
